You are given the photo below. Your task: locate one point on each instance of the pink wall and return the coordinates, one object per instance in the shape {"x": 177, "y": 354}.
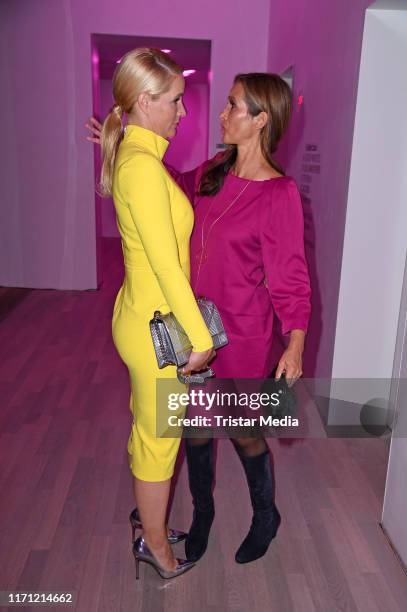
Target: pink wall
{"x": 323, "y": 41}
{"x": 190, "y": 147}
{"x": 47, "y": 233}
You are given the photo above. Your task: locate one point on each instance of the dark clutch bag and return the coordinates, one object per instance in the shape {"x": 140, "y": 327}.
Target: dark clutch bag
{"x": 172, "y": 345}
{"x": 288, "y": 404}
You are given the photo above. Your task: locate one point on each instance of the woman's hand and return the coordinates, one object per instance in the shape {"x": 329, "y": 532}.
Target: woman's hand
{"x": 291, "y": 360}
{"x": 198, "y": 361}
{"x": 96, "y": 129}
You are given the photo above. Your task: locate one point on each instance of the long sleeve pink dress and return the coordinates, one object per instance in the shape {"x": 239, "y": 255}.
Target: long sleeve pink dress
{"x": 247, "y": 255}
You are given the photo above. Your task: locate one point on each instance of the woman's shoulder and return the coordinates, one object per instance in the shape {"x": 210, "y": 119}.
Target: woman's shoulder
{"x": 281, "y": 185}
{"x": 133, "y": 157}
{"x": 280, "y": 194}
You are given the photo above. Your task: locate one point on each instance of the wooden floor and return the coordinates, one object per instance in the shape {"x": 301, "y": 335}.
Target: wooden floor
{"x": 66, "y": 486}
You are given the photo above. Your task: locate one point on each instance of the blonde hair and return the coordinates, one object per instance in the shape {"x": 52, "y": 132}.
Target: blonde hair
{"x": 141, "y": 70}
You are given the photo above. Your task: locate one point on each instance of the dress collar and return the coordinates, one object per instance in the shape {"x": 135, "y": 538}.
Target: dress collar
{"x": 152, "y": 142}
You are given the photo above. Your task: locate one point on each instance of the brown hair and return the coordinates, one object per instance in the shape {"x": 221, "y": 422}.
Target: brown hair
{"x": 263, "y": 92}
{"x": 141, "y": 70}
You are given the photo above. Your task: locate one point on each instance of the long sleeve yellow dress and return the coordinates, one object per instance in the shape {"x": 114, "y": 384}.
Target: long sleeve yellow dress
{"x": 155, "y": 220}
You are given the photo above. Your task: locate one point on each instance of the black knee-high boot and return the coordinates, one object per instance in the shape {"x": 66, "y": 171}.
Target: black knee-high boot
{"x": 200, "y": 472}
{"x": 266, "y": 518}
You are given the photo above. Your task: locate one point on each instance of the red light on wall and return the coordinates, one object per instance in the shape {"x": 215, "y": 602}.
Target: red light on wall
{"x": 300, "y": 99}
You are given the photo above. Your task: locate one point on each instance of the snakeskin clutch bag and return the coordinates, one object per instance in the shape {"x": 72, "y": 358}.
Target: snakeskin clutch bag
{"x": 172, "y": 345}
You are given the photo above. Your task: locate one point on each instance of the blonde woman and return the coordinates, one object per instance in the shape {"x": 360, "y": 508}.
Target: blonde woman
{"x": 155, "y": 221}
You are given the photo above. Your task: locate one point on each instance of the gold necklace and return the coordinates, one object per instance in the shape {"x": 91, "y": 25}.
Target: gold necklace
{"x": 205, "y": 243}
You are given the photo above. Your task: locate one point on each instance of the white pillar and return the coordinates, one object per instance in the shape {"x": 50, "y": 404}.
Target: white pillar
{"x": 376, "y": 219}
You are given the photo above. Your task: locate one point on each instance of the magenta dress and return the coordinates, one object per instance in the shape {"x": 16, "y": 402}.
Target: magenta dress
{"x": 248, "y": 257}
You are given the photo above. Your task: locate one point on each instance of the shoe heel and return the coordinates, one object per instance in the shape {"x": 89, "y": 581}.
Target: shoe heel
{"x": 141, "y": 552}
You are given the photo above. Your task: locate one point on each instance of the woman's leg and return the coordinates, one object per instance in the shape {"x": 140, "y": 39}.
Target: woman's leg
{"x": 152, "y": 501}
{"x": 199, "y": 452}
{"x": 250, "y": 447}
{"x": 151, "y": 457}
{"x": 254, "y": 455}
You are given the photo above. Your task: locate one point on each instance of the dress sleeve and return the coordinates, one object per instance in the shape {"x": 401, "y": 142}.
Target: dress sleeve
{"x": 186, "y": 180}
{"x": 189, "y": 181}
{"x": 285, "y": 266}
{"x": 144, "y": 187}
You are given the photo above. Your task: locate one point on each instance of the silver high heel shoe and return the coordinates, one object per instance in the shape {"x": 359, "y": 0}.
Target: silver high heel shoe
{"x": 174, "y": 536}
{"x": 141, "y": 552}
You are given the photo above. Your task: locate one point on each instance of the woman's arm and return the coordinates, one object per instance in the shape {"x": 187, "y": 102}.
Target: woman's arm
{"x": 291, "y": 360}
{"x": 188, "y": 181}
{"x": 286, "y": 270}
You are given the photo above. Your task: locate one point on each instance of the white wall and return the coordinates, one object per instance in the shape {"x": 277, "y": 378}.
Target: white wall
{"x": 395, "y": 497}
{"x": 376, "y": 218}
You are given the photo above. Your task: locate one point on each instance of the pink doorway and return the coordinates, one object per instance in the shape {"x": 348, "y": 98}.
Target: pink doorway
{"x": 190, "y": 147}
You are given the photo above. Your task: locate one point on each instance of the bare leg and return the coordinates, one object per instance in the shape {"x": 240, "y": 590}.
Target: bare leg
{"x": 152, "y": 500}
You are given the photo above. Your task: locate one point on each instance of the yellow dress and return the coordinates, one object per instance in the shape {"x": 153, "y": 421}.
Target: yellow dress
{"x": 155, "y": 220}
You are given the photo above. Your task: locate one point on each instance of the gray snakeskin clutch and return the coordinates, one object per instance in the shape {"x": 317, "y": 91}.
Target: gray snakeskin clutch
{"x": 171, "y": 343}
